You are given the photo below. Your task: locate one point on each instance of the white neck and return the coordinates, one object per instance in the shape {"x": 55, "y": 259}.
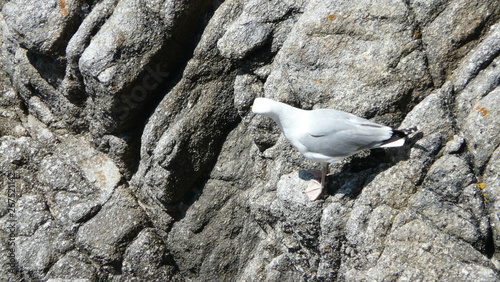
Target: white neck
{"x": 284, "y": 115}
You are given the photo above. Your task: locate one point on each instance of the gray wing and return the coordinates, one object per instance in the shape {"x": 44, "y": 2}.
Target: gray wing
{"x": 335, "y": 133}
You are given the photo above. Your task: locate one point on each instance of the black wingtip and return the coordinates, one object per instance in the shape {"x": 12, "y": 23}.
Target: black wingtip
{"x": 400, "y": 134}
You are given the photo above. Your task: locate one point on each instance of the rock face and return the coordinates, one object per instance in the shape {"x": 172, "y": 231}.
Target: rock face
{"x": 128, "y": 150}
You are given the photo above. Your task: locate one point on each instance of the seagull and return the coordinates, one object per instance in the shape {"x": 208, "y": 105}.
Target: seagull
{"x": 327, "y": 135}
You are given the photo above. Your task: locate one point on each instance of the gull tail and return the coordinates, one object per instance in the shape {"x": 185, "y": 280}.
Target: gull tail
{"x": 398, "y": 137}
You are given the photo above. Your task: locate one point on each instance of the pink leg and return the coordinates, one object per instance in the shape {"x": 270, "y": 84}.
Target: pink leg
{"x": 326, "y": 170}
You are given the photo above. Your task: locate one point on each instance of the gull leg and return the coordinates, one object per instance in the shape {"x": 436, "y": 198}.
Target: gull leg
{"x": 326, "y": 170}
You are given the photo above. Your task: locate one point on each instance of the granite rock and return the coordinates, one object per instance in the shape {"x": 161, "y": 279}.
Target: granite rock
{"x": 128, "y": 150}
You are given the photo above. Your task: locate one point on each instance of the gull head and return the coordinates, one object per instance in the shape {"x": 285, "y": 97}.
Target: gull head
{"x": 263, "y": 106}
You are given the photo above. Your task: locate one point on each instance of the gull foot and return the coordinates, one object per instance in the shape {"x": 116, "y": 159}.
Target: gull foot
{"x": 314, "y": 190}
